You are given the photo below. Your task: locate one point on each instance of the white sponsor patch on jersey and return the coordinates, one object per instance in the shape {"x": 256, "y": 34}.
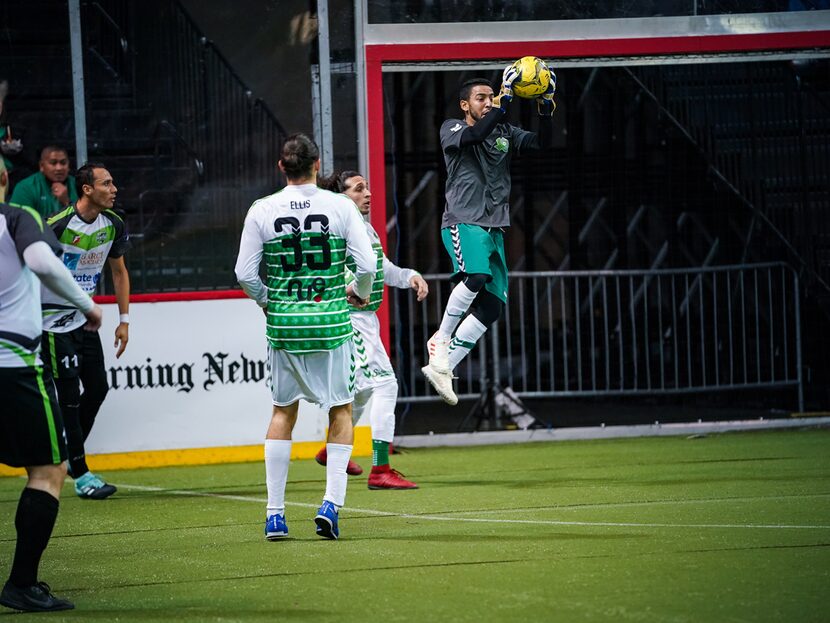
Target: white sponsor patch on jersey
{"x": 456, "y": 127}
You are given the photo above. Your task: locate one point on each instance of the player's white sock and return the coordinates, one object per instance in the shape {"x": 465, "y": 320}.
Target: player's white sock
{"x": 464, "y": 339}
{"x": 277, "y": 459}
{"x": 336, "y": 479}
{"x": 459, "y": 302}
{"x": 382, "y": 411}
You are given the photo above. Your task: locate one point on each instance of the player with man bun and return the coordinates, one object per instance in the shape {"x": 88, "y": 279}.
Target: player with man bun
{"x": 304, "y": 235}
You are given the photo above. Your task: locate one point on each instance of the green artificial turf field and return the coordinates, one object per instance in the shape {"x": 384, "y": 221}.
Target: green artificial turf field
{"x": 732, "y": 527}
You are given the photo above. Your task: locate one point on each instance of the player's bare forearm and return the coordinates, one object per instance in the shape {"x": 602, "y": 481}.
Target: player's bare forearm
{"x": 121, "y": 283}
{"x": 122, "y": 292}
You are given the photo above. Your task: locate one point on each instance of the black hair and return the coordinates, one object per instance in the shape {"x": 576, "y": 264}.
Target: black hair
{"x": 50, "y": 148}
{"x": 466, "y": 88}
{"x": 336, "y": 182}
{"x": 298, "y": 155}
{"x": 86, "y": 175}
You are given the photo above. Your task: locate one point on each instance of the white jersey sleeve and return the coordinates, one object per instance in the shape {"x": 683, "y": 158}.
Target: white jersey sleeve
{"x": 250, "y": 254}
{"x": 395, "y": 276}
{"x": 359, "y": 246}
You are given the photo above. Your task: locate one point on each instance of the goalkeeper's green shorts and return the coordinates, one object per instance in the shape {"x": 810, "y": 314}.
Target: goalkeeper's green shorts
{"x": 478, "y": 250}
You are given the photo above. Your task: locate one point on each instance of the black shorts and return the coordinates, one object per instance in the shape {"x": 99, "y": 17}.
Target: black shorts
{"x": 67, "y": 355}
{"x": 31, "y": 427}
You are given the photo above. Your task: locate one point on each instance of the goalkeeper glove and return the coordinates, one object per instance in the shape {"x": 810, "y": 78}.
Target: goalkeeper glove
{"x": 544, "y": 103}
{"x": 505, "y": 95}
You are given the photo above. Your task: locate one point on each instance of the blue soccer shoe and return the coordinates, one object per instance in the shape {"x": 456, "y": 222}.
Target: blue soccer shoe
{"x": 326, "y": 521}
{"x": 275, "y": 527}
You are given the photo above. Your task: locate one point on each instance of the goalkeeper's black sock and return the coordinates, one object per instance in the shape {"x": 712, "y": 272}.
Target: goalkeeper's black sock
{"x": 36, "y": 515}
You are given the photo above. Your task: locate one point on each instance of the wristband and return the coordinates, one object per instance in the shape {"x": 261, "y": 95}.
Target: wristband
{"x": 124, "y": 318}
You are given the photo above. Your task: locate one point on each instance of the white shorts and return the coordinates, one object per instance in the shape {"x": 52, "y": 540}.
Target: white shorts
{"x": 373, "y": 365}
{"x": 324, "y": 378}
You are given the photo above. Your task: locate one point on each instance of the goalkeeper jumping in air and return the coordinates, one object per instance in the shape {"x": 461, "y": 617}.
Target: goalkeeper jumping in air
{"x": 477, "y": 152}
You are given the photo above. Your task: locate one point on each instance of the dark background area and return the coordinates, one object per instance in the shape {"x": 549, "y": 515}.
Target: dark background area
{"x": 673, "y": 165}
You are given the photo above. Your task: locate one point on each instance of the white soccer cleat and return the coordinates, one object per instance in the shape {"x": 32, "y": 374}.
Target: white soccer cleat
{"x": 439, "y": 354}
{"x": 442, "y": 382}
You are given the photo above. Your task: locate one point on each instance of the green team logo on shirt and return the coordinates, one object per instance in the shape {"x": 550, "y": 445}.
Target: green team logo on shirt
{"x": 502, "y": 144}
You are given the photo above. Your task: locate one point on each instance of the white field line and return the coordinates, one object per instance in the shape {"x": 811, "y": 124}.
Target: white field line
{"x": 541, "y": 522}
{"x": 580, "y": 507}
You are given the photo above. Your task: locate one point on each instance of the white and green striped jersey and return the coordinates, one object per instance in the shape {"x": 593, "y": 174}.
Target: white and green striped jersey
{"x": 304, "y": 235}
{"x": 388, "y": 273}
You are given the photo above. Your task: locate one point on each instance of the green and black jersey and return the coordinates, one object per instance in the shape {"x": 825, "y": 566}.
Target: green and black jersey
{"x": 86, "y": 247}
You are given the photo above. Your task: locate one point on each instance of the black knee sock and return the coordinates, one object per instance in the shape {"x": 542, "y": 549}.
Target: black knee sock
{"x": 86, "y": 414}
{"x": 74, "y": 440}
{"x": 36, "y": 514}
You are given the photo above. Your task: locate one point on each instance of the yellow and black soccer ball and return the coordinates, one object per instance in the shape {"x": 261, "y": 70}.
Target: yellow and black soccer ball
{"x": 533, "y": 79}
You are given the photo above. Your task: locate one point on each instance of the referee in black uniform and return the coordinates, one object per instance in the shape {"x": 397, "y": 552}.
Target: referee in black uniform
{"x": 31, "y": 428}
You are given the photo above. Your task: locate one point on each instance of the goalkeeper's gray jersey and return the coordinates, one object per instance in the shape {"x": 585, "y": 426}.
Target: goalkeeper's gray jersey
{"x": 478, "y": 176}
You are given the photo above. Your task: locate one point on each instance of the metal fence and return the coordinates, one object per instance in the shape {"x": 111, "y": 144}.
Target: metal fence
{"x": 615, "y": 333}
{"x": 208, "y": 109}
{"x": 764, "y": 130}
{"x": 213, "y": 148}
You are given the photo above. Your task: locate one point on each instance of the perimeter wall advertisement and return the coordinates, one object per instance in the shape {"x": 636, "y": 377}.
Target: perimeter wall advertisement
{"x": 194, "y": 375}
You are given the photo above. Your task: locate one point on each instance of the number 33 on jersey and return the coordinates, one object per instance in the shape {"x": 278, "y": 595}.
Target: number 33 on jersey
{"x": 303, "y": 234}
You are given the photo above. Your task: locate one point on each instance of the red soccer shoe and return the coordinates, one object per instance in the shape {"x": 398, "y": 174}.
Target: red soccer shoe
{"x": 384, "y": 477}
{"x": 352, "y": 469}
